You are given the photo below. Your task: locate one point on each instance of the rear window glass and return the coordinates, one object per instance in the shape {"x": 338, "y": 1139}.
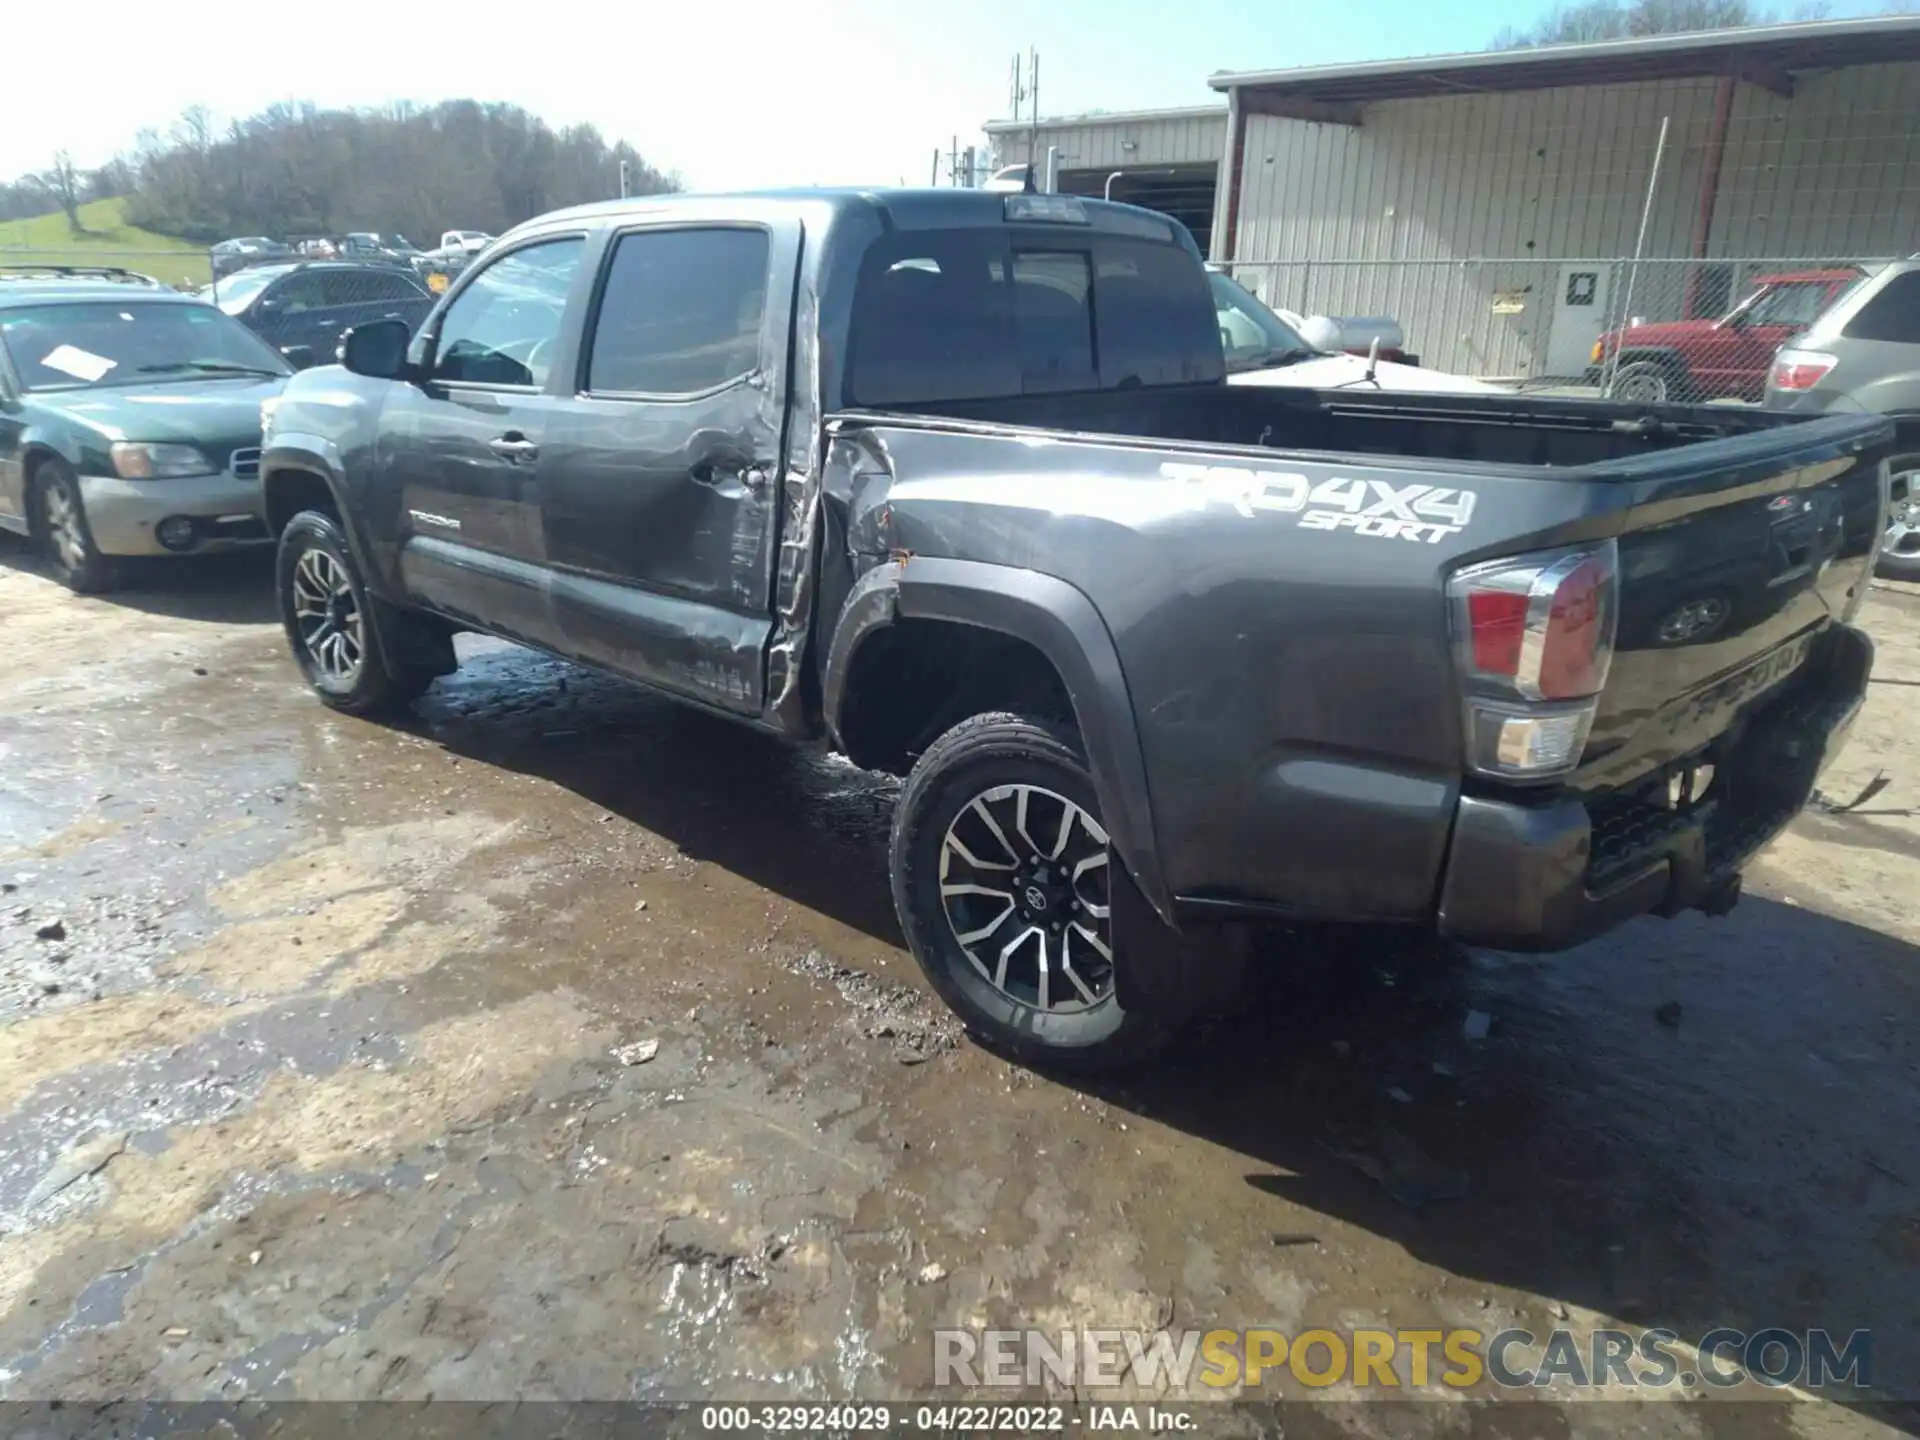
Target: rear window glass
{"x": 969, "y": 314}
{"x": 1893, "y": 314}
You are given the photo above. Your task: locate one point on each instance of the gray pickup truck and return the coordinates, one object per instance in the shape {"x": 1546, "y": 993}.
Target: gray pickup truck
{"x": 953, "y": 482}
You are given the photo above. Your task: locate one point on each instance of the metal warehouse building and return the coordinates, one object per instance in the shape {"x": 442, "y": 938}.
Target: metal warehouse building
{"x": 1492, "y": 202}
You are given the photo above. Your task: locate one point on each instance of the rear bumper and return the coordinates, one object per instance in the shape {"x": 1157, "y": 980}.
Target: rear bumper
{"x": 122, "y": 514}
{"x": 1547, "y": 877}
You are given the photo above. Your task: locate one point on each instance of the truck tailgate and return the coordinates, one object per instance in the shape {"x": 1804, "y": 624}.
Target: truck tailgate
{"x": 1728, "y": 571}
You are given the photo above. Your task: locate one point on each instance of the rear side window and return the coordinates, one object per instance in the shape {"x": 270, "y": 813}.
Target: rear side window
{"x": 681, "y": 312}
{"x": 969, "y": 314}
{"x": 1893, "y": 314}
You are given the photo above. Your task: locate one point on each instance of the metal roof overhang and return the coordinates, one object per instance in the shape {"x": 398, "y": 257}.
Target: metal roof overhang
{"x": 1768, "y": 56}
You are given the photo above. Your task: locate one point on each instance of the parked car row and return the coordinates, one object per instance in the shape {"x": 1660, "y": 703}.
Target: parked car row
{"x": 434, "y": 267}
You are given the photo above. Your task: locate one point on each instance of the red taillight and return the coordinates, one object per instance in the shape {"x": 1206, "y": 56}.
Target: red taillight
{"x": 1535, "y": 640}
{"x": 1578, "y": 643}
{"x": 1799, "y": 369}
{"x": 1498, "y": 623}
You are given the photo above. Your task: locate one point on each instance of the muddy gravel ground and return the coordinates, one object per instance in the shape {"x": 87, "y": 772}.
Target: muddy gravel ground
{"x": 559, "y": 1043}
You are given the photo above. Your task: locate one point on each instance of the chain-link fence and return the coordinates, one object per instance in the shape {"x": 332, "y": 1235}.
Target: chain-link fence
{"x": 1656, "y": 329}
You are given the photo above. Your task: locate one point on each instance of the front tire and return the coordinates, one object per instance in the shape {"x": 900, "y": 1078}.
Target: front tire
{"x": 329, "y": 621}
{"x": 1900, "y": 547}
{"x": 1001, "y": 868}
{"x": 1644, "y": 382}
{"x": 58, "y": 519}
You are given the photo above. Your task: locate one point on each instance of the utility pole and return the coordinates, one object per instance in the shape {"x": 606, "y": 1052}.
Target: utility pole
{"x": 1033, "y": 128}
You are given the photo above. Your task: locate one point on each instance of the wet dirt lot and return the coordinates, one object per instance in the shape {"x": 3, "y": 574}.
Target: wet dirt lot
{"x": 324, "y": 1069}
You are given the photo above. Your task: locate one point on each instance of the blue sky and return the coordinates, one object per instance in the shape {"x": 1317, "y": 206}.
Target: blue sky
{"x": 733, "y": 94}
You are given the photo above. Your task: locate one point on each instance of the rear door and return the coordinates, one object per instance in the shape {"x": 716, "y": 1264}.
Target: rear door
{"x": 465, "y": 447}
{"x": 659, "y": 500}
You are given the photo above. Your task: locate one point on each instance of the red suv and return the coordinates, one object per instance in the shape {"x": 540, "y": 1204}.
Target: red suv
{"x": 1710, "y": 359}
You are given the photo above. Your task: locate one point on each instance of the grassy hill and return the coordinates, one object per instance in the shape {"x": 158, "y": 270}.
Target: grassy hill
{"x": 47, "y": 240}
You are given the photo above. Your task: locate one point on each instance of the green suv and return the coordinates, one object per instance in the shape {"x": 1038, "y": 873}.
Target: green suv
{"x": 129, "y": 421}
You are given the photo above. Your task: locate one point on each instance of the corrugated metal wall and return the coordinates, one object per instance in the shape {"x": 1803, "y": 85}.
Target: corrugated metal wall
{"x": 1833, "y": 171}
{"x": 1513, "y": 183}
{"x": 1100, "y": 142}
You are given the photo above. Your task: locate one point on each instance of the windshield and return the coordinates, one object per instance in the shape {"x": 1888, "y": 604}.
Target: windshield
{"x": 1794, "y": 303}
{"x": 241, "y": 286}
{"x": 95, "y": 344}
{"x": 1251, "y": 334}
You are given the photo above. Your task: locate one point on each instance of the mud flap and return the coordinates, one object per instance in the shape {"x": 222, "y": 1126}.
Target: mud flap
{"x": 1173, "y": 976}
{"x": 410, "y": 642}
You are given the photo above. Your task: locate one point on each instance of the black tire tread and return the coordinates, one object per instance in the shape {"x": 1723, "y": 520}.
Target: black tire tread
{"x": 380, "y": 689}
{"x": 99, "y": 573}
{"x": 1007, "y": 736}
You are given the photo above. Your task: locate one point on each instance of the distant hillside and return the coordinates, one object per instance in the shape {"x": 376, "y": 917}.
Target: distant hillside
{"x": 297, "y": 170}
{"x": 110, "y": 240}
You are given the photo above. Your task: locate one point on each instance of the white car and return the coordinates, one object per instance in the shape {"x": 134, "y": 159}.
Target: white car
{"x": 1265, "y": 349}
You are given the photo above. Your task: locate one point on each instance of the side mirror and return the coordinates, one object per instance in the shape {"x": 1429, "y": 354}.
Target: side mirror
{"x": 300, "y": 357}
{"x": 377, "y": 349}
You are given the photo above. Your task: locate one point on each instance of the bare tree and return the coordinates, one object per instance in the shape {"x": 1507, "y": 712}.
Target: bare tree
{"x": 1573, "y": 22}
{"x": 62, "y": 185}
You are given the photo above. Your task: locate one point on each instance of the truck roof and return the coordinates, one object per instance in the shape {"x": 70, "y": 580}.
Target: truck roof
{"x": 904, "y": 209}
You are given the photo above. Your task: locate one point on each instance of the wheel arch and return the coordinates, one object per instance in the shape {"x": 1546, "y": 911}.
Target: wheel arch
{"x": 1030, "y": 618}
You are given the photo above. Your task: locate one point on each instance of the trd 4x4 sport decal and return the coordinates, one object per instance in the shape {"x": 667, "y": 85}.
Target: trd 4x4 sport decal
{"x": 1375, "y": 508}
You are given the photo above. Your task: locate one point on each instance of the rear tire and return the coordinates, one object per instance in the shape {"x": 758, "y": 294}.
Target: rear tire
{"x": 58, "y": 518}
{"x": 1903, "y": 520}
{"x": 1036, "y": 982}
{"x": 329, "y": 620}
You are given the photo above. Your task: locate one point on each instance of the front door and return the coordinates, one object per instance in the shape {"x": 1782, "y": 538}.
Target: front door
{"x": 1735, "y": 356}
{"x": 660, "y": 496}
{"x": 466, "y": 447}
{"x": 13, "y": 478}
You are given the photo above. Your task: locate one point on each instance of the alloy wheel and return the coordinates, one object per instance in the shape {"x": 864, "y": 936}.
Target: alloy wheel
{"x": 327, "y": 613}
{"x": 65, "y": 528}
{"x": 1903, "y": 515}
{"x": 1024, "y": 883}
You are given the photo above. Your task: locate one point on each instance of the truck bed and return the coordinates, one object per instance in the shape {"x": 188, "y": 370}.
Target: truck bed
{"x": 1740, "y": 541}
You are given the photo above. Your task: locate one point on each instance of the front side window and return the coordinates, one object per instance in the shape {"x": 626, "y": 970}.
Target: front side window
{"x": 681, "y": 312}
{"x": 368, "y": 287}
{"x": 100, "y": 343}
{"x": 504, "y": 327}
{"x": 301, "y": 291}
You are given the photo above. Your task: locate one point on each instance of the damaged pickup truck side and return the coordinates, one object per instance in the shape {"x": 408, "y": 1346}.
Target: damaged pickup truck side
{"x": 953, "y": 481}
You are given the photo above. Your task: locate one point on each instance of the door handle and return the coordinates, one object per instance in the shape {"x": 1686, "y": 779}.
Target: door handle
{"x": 719, "y": 472}
{"x": 514, "y": 448}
